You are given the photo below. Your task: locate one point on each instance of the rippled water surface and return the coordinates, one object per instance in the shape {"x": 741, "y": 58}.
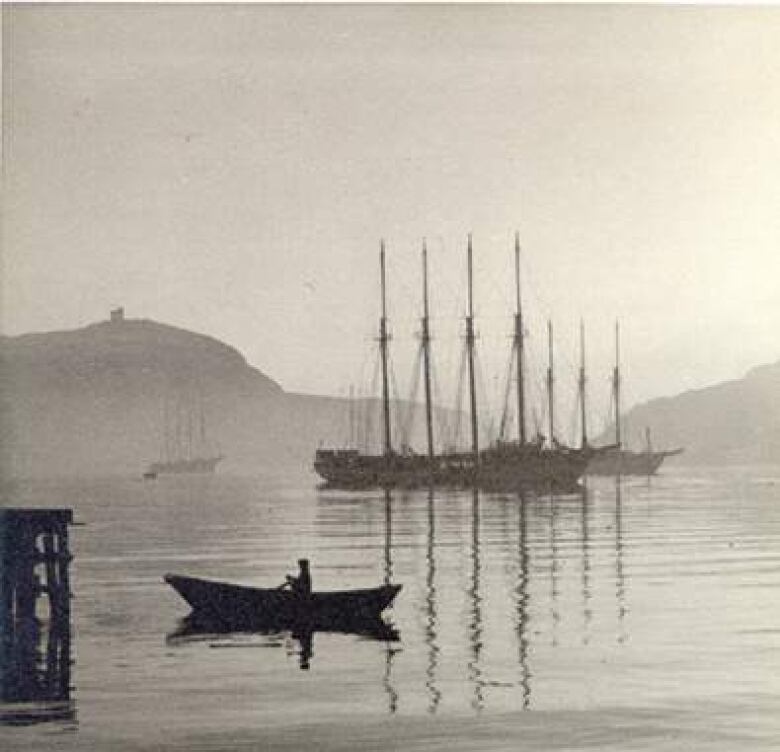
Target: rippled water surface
{"x": 642, "y": 616}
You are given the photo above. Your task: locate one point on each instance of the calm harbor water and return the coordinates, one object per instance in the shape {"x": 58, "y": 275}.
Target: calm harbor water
{"x": 638, "y": 616}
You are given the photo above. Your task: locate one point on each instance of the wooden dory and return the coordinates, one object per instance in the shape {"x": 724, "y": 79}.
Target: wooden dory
{"x": 241, "y": 605}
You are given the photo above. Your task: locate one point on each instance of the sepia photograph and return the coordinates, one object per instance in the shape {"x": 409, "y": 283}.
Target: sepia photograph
{"x": 389, "y": 376}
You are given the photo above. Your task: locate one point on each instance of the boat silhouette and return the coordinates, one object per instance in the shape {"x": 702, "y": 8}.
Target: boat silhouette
{"x": 242, "y": 607}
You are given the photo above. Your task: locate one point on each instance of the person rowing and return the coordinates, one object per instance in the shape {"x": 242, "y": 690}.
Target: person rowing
{"x": 300, "y": 585}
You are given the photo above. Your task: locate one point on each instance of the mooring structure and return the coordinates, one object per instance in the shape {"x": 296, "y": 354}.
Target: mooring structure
{"x": 34, "y": 604}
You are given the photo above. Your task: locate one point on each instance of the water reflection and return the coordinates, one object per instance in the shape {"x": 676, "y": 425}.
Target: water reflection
{"x": 35, "y": 628}
{"x": 387, "y": 680}
{"x": 586, "y": 568}
{"x": 629, "y": 561}
{"x": 475, "y": 625}
{"x": 523, "y": 601}
{"x": 35, "y": 675}
{"x": 198, "y": 629}
{"x": 388, "y": 558}
{"x": 305, "y": 640}
{"x": 554, "y": 612}
{"x": 430, "y": 608}
{"x": 620, "y": 580}
{"x": 567, "y": 567}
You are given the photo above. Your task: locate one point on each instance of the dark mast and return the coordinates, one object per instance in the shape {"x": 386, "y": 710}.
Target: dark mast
{"x": 383, "y": 338}
{"x": 550, "y": 383}
{"x": 426, "y": 346}
{"x": 518, "y": 345}
{"x": 581, "y": 384}
{"x": 472, "y": 374}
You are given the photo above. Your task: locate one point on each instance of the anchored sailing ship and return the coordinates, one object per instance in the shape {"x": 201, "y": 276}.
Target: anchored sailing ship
{"x": 184, "y": 450}
{"x": 502, "y": 466}
{"x": 616, "y": 460}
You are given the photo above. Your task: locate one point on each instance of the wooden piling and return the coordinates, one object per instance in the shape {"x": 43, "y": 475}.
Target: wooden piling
{"x": 34, "y": 564}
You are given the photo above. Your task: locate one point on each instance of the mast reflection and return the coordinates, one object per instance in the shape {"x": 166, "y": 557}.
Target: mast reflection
{"x": 586, "y": 568}
{"x": 388, "y": 561}
{"x": 620, "y": 580}
{"x": 554, "y": 567}
{"x": 523, "y": 600}
{"x": 430, "y": 609}
{"x": 387, "y": 683}
{"x": 475, "y": 626}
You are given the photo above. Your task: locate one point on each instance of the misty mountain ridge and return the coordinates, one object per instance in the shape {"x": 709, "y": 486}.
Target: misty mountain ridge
{"x": 130, "y": 352}
{"x": 102, "y": 399}
{"x": 94, "y": 400}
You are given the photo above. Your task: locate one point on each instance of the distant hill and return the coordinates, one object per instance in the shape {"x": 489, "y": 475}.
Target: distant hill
{"x": 92, "y": 400}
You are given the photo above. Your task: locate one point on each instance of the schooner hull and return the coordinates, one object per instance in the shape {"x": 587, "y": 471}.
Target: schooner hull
{"x": 625, "y": 462}
{"x": 501, "y": 468}
{"x": 196, "y": 465}
{"x": 509, "y": 467}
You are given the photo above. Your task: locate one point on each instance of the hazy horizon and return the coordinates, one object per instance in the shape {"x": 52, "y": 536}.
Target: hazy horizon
{"x": 231, "y": 169}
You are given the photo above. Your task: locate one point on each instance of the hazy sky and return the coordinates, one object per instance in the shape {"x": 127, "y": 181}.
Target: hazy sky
{"x": 231, "y": 169}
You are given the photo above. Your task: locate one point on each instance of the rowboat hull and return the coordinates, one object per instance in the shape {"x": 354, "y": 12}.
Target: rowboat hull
{"x": 246, "y": 607}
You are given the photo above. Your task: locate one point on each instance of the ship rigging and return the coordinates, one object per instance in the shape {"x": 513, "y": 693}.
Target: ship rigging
{"x": 502, "y": 466}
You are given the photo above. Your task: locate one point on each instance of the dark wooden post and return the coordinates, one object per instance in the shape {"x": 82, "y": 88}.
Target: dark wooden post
{"x": 29, "y": 538}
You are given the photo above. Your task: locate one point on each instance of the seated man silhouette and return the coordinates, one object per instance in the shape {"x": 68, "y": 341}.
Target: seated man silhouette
{"x": 300, "y": 585}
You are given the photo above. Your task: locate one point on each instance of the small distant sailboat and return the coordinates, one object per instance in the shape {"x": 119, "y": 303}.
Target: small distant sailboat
{"x": 619, "y": 461}
{"x": 184, "y": 450}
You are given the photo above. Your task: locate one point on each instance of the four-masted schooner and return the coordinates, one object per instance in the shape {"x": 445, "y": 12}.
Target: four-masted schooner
{"x": 503, "y": 466}
{"x": 184, "y": 452}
